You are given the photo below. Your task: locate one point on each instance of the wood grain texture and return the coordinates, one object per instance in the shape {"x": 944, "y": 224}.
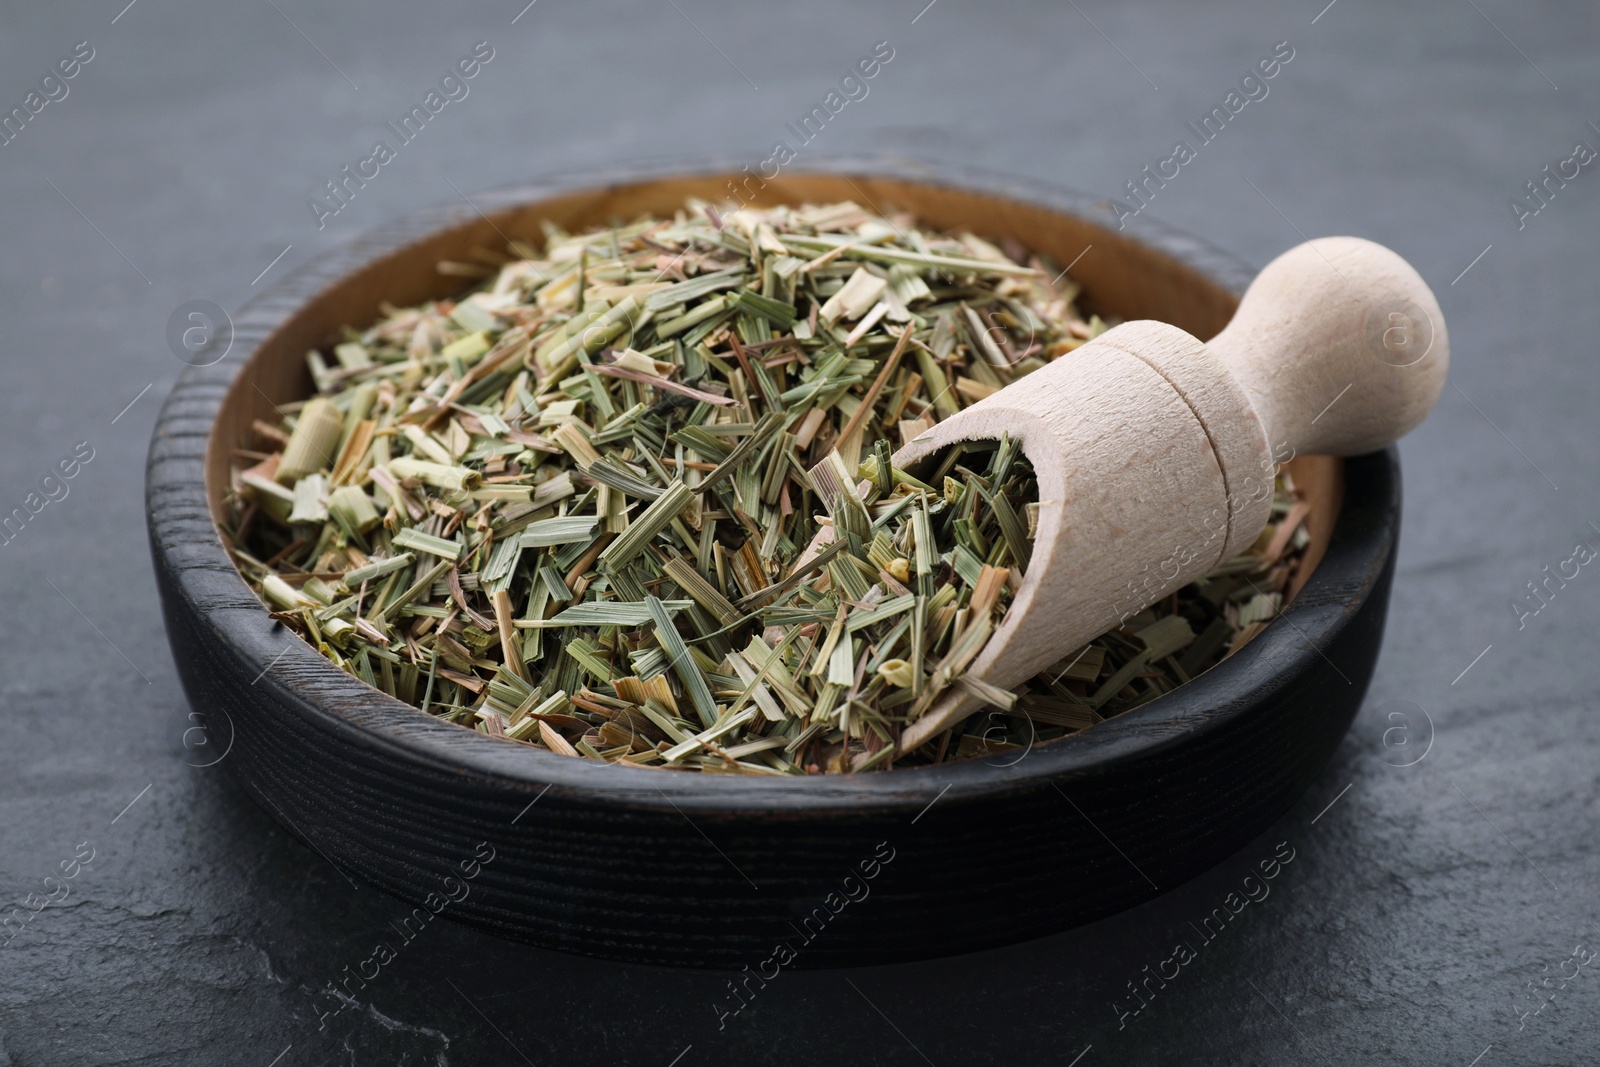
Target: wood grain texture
{"x": 1146, "y": 441}
{"x": 1126, "y": 470}
{"x": 714, "y": 871}
{"x": 1340, "y": 345}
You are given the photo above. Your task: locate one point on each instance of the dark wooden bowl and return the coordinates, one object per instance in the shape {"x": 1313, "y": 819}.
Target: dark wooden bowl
{"x": 710, "y": 870}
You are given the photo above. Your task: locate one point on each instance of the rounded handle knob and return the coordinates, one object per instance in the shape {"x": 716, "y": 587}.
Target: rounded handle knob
{"x": 1340, "y": 346}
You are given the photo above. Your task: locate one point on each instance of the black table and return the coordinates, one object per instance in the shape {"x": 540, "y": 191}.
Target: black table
{"x": 1441, "y": 866}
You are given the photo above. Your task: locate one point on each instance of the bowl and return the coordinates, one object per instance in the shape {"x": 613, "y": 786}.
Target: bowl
{"x": 725, "y": 871}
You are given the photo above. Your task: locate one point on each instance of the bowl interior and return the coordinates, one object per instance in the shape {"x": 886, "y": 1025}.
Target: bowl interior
{"x": 1119, "y": 274}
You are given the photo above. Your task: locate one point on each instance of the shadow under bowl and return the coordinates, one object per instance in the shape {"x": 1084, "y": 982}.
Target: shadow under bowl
{"x": 713, "y": 870}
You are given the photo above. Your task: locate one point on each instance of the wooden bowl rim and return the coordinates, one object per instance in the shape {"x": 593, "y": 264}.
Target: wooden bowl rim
{"x": 339, "y": 703}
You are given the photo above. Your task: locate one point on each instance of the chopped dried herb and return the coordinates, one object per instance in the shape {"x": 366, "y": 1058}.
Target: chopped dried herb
{"x": 631, "y": 499}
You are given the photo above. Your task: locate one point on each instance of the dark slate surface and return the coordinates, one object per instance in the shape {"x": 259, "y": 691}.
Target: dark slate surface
{"x": 1427, "y": 908}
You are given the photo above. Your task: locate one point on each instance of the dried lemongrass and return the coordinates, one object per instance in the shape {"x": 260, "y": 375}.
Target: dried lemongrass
{"x": 631, "y": 500}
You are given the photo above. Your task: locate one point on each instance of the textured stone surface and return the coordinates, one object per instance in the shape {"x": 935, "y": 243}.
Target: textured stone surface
{"x": 1416, "y": 909}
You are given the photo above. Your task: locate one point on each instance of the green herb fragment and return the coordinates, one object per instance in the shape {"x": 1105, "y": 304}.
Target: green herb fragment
{"x": 438, "y": 546}
{"x": 439, "y": 475}
{"x": 561, "y": 531}
{"x": 650, "y": 522}
{"x": 376, "y": 569}
{"x": 632, "y": 499}
{"x": 612, "y": 613}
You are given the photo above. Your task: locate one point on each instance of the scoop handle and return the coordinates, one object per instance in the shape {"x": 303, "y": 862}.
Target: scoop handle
{"x": 1152, "y": 448}
{"x": 1340, "y": 346}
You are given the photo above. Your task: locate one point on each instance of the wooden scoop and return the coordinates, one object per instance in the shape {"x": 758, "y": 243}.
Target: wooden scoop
{"x": 1156, "y": 452}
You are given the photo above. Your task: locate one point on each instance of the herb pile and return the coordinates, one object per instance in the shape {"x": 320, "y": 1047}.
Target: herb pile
{"x": 631, "y": 499}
